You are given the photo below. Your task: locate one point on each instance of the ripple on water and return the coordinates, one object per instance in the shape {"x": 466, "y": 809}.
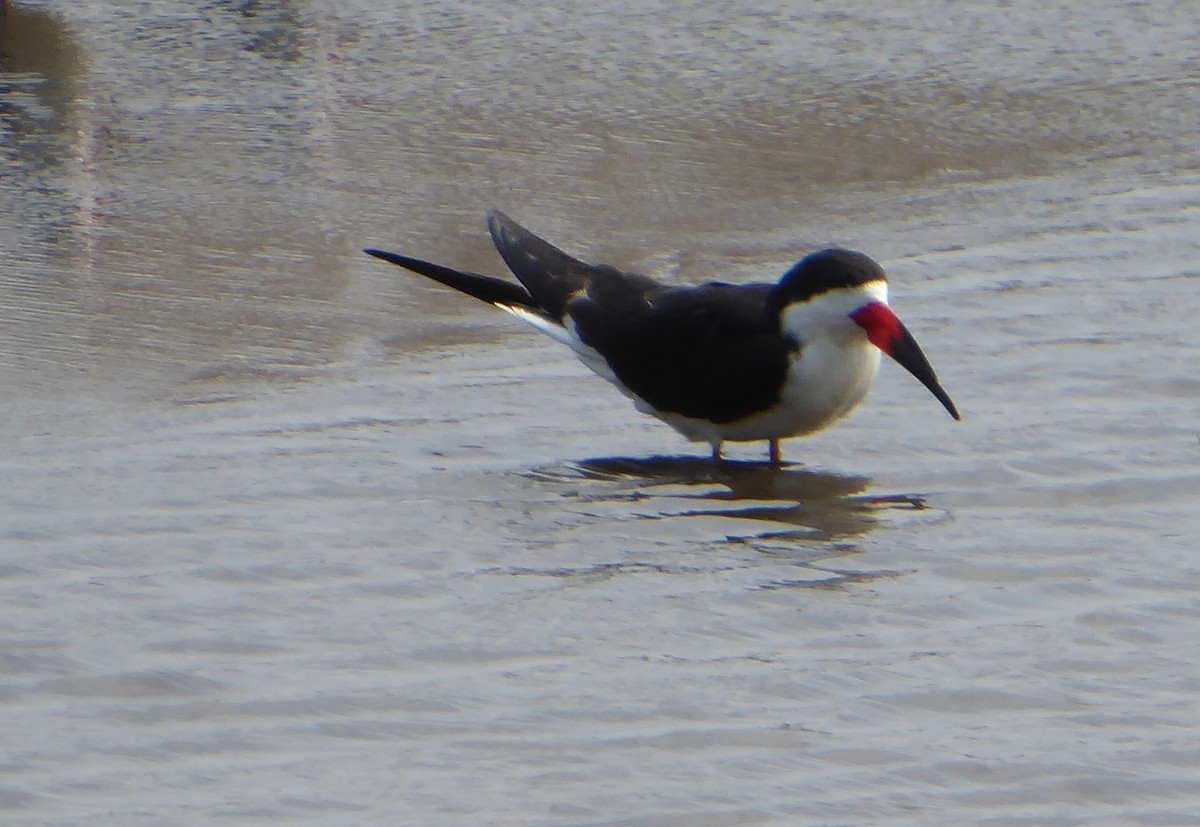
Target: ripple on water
{"x": 147, "y": 684}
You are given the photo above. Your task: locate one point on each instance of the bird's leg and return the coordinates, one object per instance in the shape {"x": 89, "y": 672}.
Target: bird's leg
{"x": 716, "y": 455}
{"x": 773, "y": 452}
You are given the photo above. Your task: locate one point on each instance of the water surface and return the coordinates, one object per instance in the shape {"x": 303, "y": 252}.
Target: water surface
{"x": 289, "y": 536}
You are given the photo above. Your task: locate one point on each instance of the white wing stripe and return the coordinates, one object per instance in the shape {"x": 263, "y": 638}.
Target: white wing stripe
{"x": 568, "y": 336}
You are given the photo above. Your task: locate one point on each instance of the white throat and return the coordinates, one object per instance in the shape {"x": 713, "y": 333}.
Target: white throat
{"x": 832, "y": 372}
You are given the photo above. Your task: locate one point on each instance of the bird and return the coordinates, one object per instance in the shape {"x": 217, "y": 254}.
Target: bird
{"x": 718, "y": 362}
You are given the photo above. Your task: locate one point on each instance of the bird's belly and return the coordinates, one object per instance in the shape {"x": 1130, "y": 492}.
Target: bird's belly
{"x": 823, "y": 385}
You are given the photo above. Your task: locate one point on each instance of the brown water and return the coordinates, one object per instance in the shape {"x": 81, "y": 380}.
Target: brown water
{"x": 287, "y": 536}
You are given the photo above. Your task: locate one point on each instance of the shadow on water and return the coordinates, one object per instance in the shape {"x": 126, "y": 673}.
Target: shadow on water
{"x": 809, "y": 517}
{"x": 39, "y": 72}
{"x": 40, "y": 68}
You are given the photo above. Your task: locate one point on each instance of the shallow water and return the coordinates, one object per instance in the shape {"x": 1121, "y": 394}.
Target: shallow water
{"x": 289, "y": 536}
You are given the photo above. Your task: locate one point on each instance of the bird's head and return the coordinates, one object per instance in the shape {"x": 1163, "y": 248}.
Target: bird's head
{"x": 843, "y": 294}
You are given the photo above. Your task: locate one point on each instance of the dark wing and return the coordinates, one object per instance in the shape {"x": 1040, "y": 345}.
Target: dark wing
{"x": 551, "y": 276}
{"x": 485, "y": 288}
{"x": 710, "y": 352}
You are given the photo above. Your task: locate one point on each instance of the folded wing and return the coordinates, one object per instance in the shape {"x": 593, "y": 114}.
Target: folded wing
{"x": 708, "y": 352}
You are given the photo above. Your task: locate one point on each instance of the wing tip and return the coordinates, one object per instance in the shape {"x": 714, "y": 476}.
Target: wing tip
{"x": 390, "y": 258}
{"x": 501, "y": 228}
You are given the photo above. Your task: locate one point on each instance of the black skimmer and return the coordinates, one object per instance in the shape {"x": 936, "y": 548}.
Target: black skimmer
{"x": 717, "y": 362}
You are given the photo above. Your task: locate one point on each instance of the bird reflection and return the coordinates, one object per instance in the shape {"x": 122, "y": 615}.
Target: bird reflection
{"x": 808, "y": 517}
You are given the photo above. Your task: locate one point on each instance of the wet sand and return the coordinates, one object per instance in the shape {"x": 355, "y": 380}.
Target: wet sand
{"x": 286, "y": 535}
